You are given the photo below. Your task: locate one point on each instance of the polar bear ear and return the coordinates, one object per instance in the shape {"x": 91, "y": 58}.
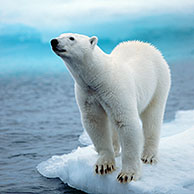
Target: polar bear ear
{"x": 93, "y": 41}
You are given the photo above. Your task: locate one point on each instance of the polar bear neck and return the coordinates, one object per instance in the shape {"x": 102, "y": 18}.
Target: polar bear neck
{"x": 86, "y": 72}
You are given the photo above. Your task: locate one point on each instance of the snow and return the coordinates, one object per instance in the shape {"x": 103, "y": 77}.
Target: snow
{"x": 174, "y": 174}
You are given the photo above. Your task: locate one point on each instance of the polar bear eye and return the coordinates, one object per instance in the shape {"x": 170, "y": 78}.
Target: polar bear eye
{"x": 71, "y": 38}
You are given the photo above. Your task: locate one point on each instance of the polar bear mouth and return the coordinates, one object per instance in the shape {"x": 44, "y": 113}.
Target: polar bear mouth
{"x": 59, "y": 50}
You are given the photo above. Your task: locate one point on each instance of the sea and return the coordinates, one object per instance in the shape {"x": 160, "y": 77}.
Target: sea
{"x": 39, "y": 116}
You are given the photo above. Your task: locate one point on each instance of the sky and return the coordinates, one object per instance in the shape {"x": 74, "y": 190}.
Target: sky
{"x": 27, "y": 26}
{"x": 53, "y": 14}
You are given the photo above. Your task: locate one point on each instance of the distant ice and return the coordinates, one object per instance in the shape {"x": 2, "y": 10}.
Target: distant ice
{"x": 174, "y": 174}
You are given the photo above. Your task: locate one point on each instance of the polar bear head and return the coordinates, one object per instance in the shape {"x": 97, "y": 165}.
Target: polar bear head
{"x": 73, "y": 47}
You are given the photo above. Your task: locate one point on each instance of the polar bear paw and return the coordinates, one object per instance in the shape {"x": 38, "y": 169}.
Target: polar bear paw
{"x": 130, "y": 173}
{"x": 149, "y": 158}
{"x": 104, "y": 166}
{"x": 126, "y": 177}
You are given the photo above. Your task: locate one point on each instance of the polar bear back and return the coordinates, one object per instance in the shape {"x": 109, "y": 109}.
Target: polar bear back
{"x": 135, "y": 49}
{"x": 145, "y": 65}
{"x": 141, "y": 59}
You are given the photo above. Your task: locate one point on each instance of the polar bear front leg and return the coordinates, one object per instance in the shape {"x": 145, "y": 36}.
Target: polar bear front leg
{"x": 95, "y": 122}
{"x": 131, "y": 139}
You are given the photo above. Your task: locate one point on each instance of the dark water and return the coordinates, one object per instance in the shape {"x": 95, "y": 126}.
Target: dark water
{"x": 39, "y": 118}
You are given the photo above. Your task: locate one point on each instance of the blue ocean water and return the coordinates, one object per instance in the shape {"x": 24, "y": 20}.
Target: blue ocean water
{"x": 39, "y": 115}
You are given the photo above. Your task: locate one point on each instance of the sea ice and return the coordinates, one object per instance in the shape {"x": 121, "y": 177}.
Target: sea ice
{"x": 174, "y": 174}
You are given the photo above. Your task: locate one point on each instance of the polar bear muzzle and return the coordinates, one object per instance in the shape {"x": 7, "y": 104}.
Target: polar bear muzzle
{"x": 54, "y": 43}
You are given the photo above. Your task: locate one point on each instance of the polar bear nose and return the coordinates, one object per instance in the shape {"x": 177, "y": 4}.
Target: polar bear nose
{"x": 54, "y": 43}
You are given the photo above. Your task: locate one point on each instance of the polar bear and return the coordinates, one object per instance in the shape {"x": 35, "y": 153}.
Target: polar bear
{"x": 121, "y": 97}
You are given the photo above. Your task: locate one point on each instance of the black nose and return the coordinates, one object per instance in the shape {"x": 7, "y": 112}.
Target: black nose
{"x": 54, "y": 43}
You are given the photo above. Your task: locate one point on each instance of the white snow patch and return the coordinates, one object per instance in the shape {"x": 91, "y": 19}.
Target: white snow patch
{"x": 183, "y": 120}
{"x": 85, "y": 139}
{"x": 174, "y": 174}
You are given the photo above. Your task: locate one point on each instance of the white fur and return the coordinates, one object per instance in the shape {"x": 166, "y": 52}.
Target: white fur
{"x": 121, "y": 97}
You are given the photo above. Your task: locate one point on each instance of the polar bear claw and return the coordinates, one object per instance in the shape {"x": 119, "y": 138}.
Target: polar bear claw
{"x": 104, "y": 165}
{"x": 104, "y": 168}
{"x": 149, "y": 158}
{"x": 127, "y": 177}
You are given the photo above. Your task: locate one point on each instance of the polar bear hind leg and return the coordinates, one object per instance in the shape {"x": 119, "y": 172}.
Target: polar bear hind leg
{"x": 152, "y": 118}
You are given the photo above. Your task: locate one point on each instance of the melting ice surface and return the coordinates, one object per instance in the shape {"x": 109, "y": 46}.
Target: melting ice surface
{"x": 173, "y": 174}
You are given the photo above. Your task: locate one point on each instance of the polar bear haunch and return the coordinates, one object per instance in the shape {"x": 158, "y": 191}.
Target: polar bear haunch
{"x": 121, "y": 98}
